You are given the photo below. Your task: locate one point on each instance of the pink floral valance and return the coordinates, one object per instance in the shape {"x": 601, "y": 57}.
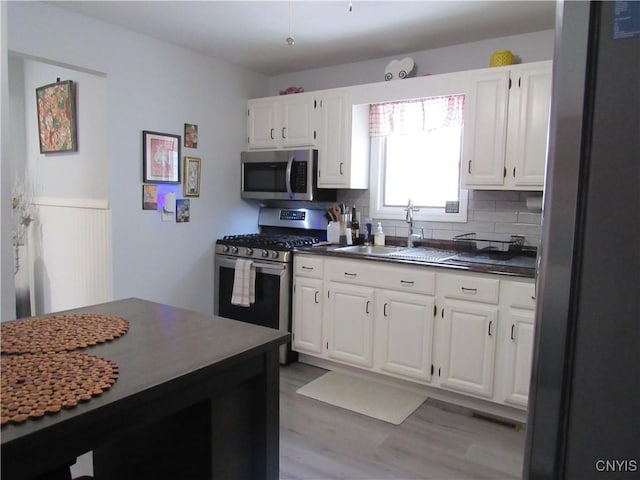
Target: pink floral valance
{"x": 414, "y": 116}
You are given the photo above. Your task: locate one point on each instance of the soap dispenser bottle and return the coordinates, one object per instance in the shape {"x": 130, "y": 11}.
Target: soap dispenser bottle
{"x": 378, "y": 238}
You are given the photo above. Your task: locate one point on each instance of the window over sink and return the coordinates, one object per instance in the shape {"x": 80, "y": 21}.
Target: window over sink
{"x": 416, "y": 148}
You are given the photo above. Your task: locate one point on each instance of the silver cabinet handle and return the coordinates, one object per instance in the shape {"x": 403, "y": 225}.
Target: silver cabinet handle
{"x": 352, "y": 275}
{"x": 513, "y": 327}
{"x": 384, "y": 309}
{"x": 407, "y": 282}
{"x": 341, "y": 164}
{"x": 472, "y": 291}
{"x": 284, "y": 130}
{"x": 316, "y": 297}
{"x": 367, "y": 307}
{"x": 469, "y": 170}
{"x": 304, "y": 267}
{"x": 489, "y": 331}
{"x": 271, "y": 134}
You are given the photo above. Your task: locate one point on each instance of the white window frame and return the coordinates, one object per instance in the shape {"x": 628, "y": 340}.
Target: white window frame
{"x": 376, "y": 197}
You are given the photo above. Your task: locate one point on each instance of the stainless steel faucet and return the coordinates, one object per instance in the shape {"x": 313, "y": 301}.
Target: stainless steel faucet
{"x": 411, "y": 237}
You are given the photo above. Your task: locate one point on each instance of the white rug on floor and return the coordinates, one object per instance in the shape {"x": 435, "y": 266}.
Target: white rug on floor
{"x": 384, "y": 402}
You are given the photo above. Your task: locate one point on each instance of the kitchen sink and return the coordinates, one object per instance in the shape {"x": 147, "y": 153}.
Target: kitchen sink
{"x": 370, "y": 249}
{"x": 422, "y": 254}
{"x": 417, "y": 254}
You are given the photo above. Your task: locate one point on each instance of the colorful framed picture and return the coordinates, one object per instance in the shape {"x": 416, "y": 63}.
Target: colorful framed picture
{"x": 160, "y": 157}
{"x": 56, "y": 104}
{"x": 149, "y": 197}
{"x": 190, "y": 135}
{"x": 191, "y": 177}
{"x": 183, "y": 210}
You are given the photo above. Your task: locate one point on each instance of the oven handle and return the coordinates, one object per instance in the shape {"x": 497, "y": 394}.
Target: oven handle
{"x": 276, "y": 268}
{"x": 288, "y": 175}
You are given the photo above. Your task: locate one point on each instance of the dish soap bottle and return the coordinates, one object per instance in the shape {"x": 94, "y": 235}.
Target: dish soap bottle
{"x": 378, "y": 238}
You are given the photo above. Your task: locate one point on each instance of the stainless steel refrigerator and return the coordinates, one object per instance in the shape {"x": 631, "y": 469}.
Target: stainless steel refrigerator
{"x": 584, "y": 408}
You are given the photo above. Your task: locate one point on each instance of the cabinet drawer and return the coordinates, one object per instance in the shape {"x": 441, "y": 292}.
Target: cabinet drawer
{"x": 520, "y": 295}
{"x": 409, "y": 279}
{"x": 308, "y": 266}
{"x": 470, "y": 288}
{"x": 350, "y": 271}
{"x": 378, "y": 275}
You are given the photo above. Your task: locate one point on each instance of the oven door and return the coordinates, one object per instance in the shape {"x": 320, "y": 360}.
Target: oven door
{"x": 272, "y": 306}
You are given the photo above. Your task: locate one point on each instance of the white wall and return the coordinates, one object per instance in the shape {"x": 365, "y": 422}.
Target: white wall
{"x": 151, "y": 85}
{"x": 530, "y": 47}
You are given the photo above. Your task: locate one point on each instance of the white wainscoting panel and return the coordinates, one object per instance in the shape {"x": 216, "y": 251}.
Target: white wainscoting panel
{"x": 72, "y": 253}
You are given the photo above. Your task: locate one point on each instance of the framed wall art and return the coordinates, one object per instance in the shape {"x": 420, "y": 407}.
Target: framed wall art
{"x": 56, "y": 104}
{"x": 160, "y": 157}
{"x": 191, "y": 176}
{"x": 183, "y": 210}
{"x": 190, "y": 135}
{"x": 150, "y": 197}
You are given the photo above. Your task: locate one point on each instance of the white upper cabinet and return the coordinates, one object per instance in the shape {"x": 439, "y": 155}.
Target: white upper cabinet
{"x": 506, "y": 127}
{"x": 282, "y": 122}
{"x": 343, "y": 156}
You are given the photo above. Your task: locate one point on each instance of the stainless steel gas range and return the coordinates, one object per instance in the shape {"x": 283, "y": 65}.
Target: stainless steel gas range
{"x": 271, "y": 255}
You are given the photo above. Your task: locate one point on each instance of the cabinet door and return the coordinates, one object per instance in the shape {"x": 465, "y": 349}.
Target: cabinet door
{"x": 485, "y": 128}
{"x": 350, "y": 320}
{"x": 405, "y": 335}
{"x": 333, "y": 152}
{"x": 262, "y": 122}
{"x": 298, "y": 121}
{"x": 519, "y": 350}
{"x": 307, "y": 315}
{"x": 469, "y": 335}
{"x": 529, "y": 103}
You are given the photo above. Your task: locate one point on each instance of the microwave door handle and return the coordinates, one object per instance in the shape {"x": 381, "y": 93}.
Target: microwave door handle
{"x": 288, "y": 175}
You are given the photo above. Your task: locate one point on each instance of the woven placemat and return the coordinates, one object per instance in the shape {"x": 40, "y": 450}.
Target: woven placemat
{"x": 34, "y": 385}
{"x": 60, "y": 332}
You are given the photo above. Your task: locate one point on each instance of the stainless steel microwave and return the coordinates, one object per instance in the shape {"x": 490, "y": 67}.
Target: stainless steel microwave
{"x": 282, "y": 175}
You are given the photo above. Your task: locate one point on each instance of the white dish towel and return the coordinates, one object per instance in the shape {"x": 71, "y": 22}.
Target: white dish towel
{"x": 244, "y": 283}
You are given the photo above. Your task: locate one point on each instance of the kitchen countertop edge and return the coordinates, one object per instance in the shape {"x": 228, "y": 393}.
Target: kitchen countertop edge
{"x": 505, "y": 270}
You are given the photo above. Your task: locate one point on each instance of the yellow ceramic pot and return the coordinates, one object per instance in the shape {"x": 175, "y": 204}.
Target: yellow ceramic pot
{"x": 501, "y": 57}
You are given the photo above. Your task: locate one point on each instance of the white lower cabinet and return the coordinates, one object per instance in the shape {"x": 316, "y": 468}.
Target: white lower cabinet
{"x": 350, "y": 323}
{"x": 307, "y": 315}
{"x": 469, "y": 341}
{"x": 464, "y": 332}
{"x": 404, "y": 337}
{"x": 518, "y": 338}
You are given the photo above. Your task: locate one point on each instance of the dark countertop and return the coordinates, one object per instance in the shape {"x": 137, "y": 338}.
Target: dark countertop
{"x": 519, "y": 265}
{"x": 165, "y": 351}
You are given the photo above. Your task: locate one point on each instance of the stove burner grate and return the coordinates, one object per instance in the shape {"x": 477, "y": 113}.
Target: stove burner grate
{"x": 257, "y": 240}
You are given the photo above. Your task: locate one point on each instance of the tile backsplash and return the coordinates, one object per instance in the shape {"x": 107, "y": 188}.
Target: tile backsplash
{"x": 489, "y": 211}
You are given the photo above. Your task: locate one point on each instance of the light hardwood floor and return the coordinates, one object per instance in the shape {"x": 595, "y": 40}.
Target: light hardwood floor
{"x": 438, "y": 441}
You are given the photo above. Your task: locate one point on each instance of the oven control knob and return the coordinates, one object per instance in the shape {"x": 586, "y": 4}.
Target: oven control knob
{"x": 265, "y": 253}
{"x": 225, "y": 248}
{"x": 234, "y": 249}
{"x": 249, "y": 251}
{"x": 274, "y": 254}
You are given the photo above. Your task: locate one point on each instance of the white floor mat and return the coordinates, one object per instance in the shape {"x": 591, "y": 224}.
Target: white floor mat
{"x": 377, "y": 400}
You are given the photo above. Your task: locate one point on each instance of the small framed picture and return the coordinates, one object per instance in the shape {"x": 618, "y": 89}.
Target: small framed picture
{"x": 149, "y": 197}
{"x": 191, "y": 177}
{"x": 160, "y": 157}
{"x": 57, "y": 117}
{"x": 190, "y": 135}
{"x": 183, "y": 211}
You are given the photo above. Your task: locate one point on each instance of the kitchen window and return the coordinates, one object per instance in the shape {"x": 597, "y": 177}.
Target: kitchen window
{"x": 416, "y": 147}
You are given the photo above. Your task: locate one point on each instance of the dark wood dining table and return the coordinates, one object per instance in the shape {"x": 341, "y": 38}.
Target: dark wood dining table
{"x": 197, "y": 397}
